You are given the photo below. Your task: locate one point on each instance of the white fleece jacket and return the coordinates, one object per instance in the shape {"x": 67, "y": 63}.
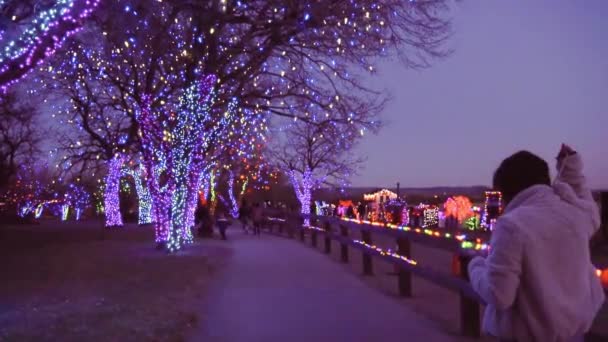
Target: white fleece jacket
{"x": 538, "y": 280}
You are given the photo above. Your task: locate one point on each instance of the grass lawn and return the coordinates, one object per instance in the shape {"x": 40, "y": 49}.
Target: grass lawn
{"x": 80, "y": 282}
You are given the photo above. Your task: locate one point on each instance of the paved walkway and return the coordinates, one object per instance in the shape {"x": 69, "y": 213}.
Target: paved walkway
{"x": 274, "y": 289}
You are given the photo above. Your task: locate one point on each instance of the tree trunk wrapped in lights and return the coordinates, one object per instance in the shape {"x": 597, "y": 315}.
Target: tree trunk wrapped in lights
{"x": 144, "y": 198}
{"x": 112, "y": 189}
{"x": 234, "y": 203}
{"x": 212, "y": 193}
{"x": 198, "y": 181}
{"x": 303, "y": 185}
{"x": 65, "y": 210}
{"x": 78, "y": 198}
{"x": 315, "y": 155}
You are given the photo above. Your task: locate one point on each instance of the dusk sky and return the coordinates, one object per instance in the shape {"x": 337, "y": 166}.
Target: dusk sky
{"x": 524, "y": 75}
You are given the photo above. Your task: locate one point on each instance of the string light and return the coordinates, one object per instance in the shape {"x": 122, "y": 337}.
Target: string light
{"x": 494, "y": 202}
{"x": 39, "y": 210}
{"x": 431, "y": 217}
{"x": 44, "y": 34}
{"x": 460, "y": 238}
{"x": 386, "y": 252}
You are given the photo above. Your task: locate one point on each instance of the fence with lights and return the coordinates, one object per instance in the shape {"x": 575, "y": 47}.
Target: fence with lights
{"x": 360, "y": 235}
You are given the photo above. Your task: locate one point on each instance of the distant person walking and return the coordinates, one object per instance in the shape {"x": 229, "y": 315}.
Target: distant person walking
{"x": 538, "y": 280}
{"x": 245, "y": 216}
{"x": 350, "y": 212}
{"x": 361, "y": 211}
{"x": 257, "y": 219}
{"x": 202, "y": 219}
{"x": 222, "y": 224}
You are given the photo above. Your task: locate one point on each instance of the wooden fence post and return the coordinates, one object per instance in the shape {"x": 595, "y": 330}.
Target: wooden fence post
{"x": 404, "y": 278}
{"x": 470, "y": 320}
{"x": 366, "y": 236}
{"x": 344, "y": 246}
{"x": 327, "y": 238}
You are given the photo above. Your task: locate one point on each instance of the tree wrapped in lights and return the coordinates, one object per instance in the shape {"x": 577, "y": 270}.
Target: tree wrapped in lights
{"x": 232, "y": 203}
{"x": 27, "y": 192}
{"x": 111, "y": 194}
{"x": 78, "y": 198}
{"x": 313, "y": 155}
{"x": 175, "y": 151}
{"x": 143, "y": 194}
{"x": 459, "y": 208}
{"x": 235, "y": 189}
{"x": 244, "y": 160}
{"x": 37, "y": 30}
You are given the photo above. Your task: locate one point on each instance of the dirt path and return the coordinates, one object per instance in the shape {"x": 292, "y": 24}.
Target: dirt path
{"x": 274, "y": 289}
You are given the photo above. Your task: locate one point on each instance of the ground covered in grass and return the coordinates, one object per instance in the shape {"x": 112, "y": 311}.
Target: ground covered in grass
{"x": 79, "y": 282}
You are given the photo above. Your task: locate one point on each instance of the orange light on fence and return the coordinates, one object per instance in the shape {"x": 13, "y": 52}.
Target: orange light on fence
{"x": 603, "y": 275}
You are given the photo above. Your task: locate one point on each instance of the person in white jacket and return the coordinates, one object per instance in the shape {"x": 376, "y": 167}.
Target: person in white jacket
{"x": 538, "y": 280}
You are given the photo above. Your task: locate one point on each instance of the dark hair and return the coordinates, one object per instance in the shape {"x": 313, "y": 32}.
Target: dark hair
{"x": 519, "y": 172}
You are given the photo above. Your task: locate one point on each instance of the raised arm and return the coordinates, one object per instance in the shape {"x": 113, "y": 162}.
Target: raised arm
{"x": 571, "y": 184}
{"x": 570, "y": 170}
{"x": 496, "y": 278}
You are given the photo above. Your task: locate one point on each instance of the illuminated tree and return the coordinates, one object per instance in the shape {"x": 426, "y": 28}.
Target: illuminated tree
{"x": 30, "y": 190}
{"x": 300, "y": 60}
{"x": 111, "y": 196}
{"x": 458, "y": 207}
{"x": 314, "y": 155}
{"x": 243, "y": 161}
{"x": 77, "y": 197}
{"x": 94, "y": 121}
{"x": 290, "y": 59}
